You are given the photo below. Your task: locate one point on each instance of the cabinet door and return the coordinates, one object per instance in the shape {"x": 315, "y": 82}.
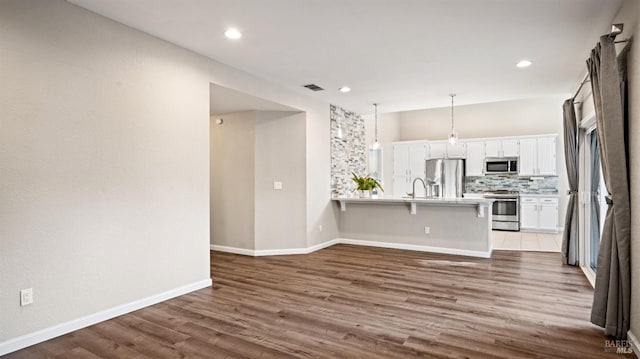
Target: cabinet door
{"x": 456, "y": 151}
{"x": 548, "y": 216}
{"x": 528, "y": 163}
{"x": 529, "y": 215}
{"x": 417, "y": 166}
{"x": 400, "y": 160}
{"x": 400, "y": 186}
{"x": 510, "y": 148}
{"x": 547, "y": 156}
{"x": 493, "y": 148}
{"x": 475, "y": 159}
{"x": 400, "y": 169}
{"x": 437, "y": 150}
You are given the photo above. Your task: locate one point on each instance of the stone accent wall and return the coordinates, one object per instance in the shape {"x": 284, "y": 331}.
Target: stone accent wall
{"x": 511, "y": 182}
{"x": 348, "y": 150}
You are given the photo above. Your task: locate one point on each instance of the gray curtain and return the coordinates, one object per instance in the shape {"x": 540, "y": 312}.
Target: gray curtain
{"x": 595, "y": 200}
{"x": 611, "y": 301}
{"x": 570, "y": 236}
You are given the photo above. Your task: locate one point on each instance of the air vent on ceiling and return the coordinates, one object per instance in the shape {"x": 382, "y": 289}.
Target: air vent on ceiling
{"x": 313, "y": 87}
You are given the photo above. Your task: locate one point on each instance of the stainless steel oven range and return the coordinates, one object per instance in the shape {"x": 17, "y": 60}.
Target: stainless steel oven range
{"x": 505, "y": 210}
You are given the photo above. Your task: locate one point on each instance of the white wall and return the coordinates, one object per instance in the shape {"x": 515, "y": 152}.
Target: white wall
{"x": 104, "y": 162}
{"x": 233, "y": 177}
{"x": 280, "y": 216}
{"x": 629, "y": 14}
{"x": 534, "y": 116}
{"x": 249, "y": 151}
{"x": 104, "y": 155}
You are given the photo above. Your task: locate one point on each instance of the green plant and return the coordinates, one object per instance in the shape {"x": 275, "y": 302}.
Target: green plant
{"x": 366, "y": 183}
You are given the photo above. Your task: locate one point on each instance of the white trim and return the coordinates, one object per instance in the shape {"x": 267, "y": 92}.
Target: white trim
{"x": 358, "y": 242}
{"x": 414, "y": 247}
{"x": 39, "y": 336}
{"x": 587, "y": 121}
{"x": 272, "y": 252}
{"x": 589, "y": 273}
{"x": 635, "y": 344}
{"x": 323, "y": 245}
{"x": 234, "y": 250}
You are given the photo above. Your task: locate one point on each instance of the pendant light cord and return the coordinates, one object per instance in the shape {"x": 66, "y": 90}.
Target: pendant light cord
{"x": 452, "y": 96}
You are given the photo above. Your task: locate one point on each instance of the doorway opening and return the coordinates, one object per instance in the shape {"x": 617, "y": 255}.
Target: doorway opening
{"x": 593, "y": 205}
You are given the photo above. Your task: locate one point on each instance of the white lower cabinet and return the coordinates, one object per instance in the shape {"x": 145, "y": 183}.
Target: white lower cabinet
{"x": 548, "y": 214}
{"x": 539, "y": 213}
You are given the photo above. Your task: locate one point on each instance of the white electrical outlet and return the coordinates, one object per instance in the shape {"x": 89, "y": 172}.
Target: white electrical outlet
{"x": 26, "y": 297}
{"x": 277, "y": 185}
{"x": 427, "y": 230}
{"x": 320, "y": 228}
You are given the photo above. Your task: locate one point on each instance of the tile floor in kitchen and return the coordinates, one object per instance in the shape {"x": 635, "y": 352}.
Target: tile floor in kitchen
{"x": 527, "y": 241}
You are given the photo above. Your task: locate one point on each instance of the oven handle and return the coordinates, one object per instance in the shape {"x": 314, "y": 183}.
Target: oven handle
{"x": 504, "y": 199}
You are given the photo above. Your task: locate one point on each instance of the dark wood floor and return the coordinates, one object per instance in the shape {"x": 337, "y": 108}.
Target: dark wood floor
{"x": 359, "y": 302}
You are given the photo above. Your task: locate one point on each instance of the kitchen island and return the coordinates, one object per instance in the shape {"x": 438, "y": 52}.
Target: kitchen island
{"x": 452, "y": 225}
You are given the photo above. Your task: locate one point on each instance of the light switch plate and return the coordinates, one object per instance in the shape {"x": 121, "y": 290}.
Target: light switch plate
{"x": 26, "y": 297}
{"x": 277, "y": 185}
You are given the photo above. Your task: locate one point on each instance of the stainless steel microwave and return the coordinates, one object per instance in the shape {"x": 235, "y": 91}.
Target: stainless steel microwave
{"x": 501, "y": 165}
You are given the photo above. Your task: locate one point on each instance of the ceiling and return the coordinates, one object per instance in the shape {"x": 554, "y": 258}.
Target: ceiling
{"x": 404, "y": 54}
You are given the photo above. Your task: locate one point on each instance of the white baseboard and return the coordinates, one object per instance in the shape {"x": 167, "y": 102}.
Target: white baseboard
{"x": 272, "y": 252}
{"x": 358, "y": 242}
{"x": 234, "y": 250}
{"x": 635, "y": 344}
{"x": 415, "y": 247}
{"x": 26, "y": 340}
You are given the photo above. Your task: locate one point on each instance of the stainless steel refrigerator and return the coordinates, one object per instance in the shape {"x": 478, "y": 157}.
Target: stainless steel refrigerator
{"x": 445, "y": 178}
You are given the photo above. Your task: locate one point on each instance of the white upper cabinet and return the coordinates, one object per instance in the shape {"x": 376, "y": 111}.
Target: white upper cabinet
{"x": 510, "y": 148}
{"x": 443, "y": 149}
{"x": 437, "y": 149}
{"x": 502, "y": 148}
{"x": 475, "y": 158}
{"x": 537, "y": 156}
{"x": 547, "y": 156}
{"x": 493, "y": 148}
{"x": 408, "y": 163}
{"x": 458, "y": 150}
{"x": 528, "y": 163}
{"x": 400, "y": 168}
{"x": 417, "y": 157}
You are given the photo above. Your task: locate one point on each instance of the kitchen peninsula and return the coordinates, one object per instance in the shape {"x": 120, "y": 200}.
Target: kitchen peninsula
{"x": 452, "y": 225}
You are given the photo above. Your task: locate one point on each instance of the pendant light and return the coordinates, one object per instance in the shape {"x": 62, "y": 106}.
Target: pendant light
{"x": 453, "y": 136}
{"x": 376, "y": 144}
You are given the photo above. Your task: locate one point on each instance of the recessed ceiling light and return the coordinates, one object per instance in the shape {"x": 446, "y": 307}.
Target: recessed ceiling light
{"x": 524, "y": 63}
{"x": 232, "y": 34}
{"x": 344, "y": 89}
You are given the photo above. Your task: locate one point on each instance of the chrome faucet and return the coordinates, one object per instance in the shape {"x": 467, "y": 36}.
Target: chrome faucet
{"x": 413, "y": 187}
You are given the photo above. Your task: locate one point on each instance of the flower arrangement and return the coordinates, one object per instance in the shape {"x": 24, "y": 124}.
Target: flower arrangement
{"x": 366, "y": 183}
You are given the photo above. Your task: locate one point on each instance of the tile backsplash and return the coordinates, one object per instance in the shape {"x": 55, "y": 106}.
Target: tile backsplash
{"x": 348, "y": 150}
{"x": 511, "y": 182}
